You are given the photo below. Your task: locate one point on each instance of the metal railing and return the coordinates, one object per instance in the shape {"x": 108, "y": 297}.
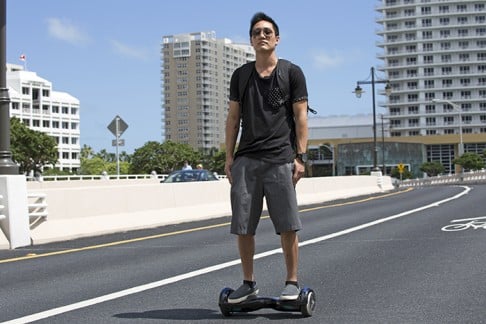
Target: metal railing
{"x": 103, "y": 177}
{"x": 461, "y": 178}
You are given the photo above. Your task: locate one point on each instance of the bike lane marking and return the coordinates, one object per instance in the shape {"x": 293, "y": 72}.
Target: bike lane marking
{"x": 474, "y": 223}
{"x": 206, "y": 270}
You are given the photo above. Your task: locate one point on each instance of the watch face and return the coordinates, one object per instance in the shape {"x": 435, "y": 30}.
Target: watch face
{"x": 302, "y": 157}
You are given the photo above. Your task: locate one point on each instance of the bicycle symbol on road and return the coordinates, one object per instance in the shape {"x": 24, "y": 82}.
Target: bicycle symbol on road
{"x": 466, "y": 223}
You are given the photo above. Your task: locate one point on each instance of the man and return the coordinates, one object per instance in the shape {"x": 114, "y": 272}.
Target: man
{"x": 186, "y": 166}
{"x": 270, "y": 158}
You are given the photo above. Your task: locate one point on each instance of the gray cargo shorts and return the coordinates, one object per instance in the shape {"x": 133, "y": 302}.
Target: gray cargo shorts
{"x": 254, "y": 179}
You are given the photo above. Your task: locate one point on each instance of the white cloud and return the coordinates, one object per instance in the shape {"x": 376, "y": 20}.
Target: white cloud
{"x": 323, "y": 60}
{"x": 64, "y": 30}
{"x": 129, "y": 51}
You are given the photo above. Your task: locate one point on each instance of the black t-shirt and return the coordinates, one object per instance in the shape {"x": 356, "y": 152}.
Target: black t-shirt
{"x": 268, "y": 132}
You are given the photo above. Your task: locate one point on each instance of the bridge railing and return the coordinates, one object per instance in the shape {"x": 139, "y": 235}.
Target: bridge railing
{"x": 466, "y": 177}
{"x": 103, "y": 177}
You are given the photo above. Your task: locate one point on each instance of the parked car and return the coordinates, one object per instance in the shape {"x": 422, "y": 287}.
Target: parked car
{"x": 190, "y": 176}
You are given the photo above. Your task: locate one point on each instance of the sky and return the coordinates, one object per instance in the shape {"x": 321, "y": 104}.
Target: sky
{"x": 106, "y": 53}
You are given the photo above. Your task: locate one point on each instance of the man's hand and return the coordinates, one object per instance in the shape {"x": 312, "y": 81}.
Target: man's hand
{"x": 299, "y": 170}
{"x": 227, "y": 169}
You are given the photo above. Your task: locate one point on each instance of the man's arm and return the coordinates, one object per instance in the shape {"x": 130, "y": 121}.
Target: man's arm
{"x": 232, "y": 130}
{"x": 301, "y": 133}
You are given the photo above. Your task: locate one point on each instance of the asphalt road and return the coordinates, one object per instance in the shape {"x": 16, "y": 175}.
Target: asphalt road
{"x": 413, "y": 256}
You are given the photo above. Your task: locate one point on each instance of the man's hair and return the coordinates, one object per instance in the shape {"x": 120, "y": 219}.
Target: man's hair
{"x": 259, "y": 16}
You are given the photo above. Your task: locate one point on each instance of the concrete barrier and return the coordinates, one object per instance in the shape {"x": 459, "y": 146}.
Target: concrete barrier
{"x": 87, "y": 208}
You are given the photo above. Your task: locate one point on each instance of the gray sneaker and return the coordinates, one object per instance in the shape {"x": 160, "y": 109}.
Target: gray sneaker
{"x": 243, "y": 293}
{"x": 290, "y": 292}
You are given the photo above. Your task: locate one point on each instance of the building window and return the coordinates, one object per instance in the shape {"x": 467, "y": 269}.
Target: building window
{"x": 446, "y": 83}
{"x": 444, "y": 21}
{"x": 413, "y": 122}
{"x": 426, "y": 22}
{"x": 462, "y": 32}
{"x": 464, "y": 57}
{"x": 427, "y": 35}
{"x": 428, "y": 71}
{"x": 443, "y": 9}
{"x": 430, "y": 109}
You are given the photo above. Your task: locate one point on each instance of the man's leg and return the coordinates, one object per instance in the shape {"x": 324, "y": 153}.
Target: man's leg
{"x": 246, "y": 247}
{"x": 290, "y": 247}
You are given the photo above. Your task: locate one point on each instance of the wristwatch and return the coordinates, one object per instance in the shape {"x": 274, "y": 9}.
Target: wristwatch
{"x": 302, "y": 157}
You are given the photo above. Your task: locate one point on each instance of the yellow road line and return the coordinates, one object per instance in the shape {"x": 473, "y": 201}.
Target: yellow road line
{"x": 93, "y": 247}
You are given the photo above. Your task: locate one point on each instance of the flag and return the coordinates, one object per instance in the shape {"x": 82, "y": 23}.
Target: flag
{"x": 22, "y": 57}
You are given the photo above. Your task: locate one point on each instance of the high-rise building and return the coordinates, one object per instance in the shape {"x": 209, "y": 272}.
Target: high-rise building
{"x": 196, "y": 70}
{"x": 434, "y": 54}
{"x": 39, "y": 107}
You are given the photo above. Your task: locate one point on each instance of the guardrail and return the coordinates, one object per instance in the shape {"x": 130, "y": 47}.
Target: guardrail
{"x": 467, "y": 177}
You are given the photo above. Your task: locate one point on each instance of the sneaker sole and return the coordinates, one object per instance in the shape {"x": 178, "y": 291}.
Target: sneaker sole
{"x": 239, "y": 300}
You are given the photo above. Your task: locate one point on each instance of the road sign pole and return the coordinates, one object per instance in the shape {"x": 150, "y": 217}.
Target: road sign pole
{"x": 117, "y": 143}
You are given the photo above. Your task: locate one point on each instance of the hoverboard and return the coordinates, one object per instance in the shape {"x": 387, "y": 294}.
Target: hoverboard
{"x": 305, "y": 303}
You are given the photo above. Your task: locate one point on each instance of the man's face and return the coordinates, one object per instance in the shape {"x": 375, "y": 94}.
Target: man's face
{"x": 263, "y": 36}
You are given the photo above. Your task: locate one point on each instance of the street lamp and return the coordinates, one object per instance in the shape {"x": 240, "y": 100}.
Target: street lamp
{"x": 459, "y": 110}
{"x": 358, "y": 92}
{"x": 7, "y": 166}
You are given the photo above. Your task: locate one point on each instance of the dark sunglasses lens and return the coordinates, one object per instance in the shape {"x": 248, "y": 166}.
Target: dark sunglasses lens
{"x": 258, "y": 31}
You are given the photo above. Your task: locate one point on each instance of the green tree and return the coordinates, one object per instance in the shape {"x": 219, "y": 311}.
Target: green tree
{"x": 162, "y": 157}
{"x": 470, "y": 161}
{"x": 432, "y": 168}
{"x": 217, "y": 162}
{"x": 31, "y": 149}
{"x": 86, "y": 152}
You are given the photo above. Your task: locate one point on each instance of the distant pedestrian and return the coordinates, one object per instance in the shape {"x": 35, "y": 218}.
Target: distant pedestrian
{"x": 199, "y": 166}
{"x": 186, "y": 166}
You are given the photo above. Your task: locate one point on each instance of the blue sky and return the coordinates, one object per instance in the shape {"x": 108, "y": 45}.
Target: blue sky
{"x": 106, "y": 53}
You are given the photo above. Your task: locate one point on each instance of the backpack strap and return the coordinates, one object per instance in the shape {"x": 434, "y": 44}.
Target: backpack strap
{"x": 246, "y": 71}
{"x": 283, "y": 77}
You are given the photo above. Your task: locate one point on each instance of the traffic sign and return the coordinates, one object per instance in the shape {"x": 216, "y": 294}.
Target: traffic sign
{"x": 401, "y": 167}
{"x": 117, "y": 126}
{"x": 121, "y": 142}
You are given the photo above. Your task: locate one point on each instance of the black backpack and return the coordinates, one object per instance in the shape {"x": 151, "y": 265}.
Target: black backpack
{"x": 283, "y": 79}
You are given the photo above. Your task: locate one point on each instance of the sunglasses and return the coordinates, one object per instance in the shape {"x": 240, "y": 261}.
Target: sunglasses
{"x": 266, "y": 31}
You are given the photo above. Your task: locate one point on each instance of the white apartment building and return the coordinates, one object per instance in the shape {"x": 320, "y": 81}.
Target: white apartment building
{"x": 38, "y": 106}
{"x": 196, "y": 70}
{"x": 434, "y": 54}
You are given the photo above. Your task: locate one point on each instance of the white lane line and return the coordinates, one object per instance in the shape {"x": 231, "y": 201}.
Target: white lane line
{"x": 156, "y": 284}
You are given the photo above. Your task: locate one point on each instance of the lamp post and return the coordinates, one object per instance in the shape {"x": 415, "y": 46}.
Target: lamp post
{"x": 459, "y": 111}
{"x": 358, "y": 92}
{"x": 7, "y": 166}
